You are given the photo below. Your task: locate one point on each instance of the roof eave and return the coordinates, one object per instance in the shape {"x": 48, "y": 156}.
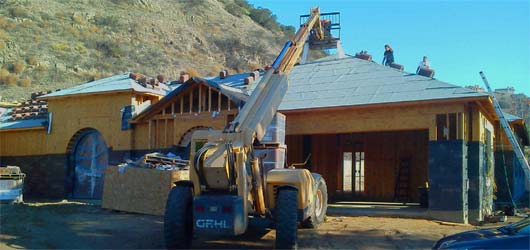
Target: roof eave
{"x": 46, "y": 98}
{"x": 393, "y": 104}
{"x": 21, "y": 129}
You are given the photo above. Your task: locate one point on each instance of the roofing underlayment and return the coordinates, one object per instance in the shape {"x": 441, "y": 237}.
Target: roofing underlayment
{"x": 114, "y": 83}
{"x": 332, "y": 82}
{"x": 352, "y": 81}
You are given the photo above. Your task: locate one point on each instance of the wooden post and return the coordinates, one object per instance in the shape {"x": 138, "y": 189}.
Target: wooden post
{"x": 219, "y": 101}
{"x": 172, "y": 109}
{"x": 191, "y": 101}
{"x": 174, "y": 131}
{"x": 181, "y": 106}
{"x": 156, "y": 133}
{"x": 460, "y": 126}
{"x": 209, "y": 99}
{"x": 165, "y": 133}
{"x": 149, "y": 137}
{"x": 433, "y": 130}
{"x": 200, "y": 99}
{"x": 228, "y": 104}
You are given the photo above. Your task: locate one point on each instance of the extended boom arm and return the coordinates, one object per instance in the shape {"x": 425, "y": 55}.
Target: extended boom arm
{"x": 262, "y": 105}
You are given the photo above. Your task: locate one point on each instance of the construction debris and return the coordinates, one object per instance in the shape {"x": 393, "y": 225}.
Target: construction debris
{"x": 158, "y": 161}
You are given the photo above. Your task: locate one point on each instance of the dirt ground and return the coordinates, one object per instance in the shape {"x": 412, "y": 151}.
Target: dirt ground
{"x": 75, "y": 225}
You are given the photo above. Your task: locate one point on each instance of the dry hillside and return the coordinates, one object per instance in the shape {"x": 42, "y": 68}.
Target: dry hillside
{"x": 50, "y": 44}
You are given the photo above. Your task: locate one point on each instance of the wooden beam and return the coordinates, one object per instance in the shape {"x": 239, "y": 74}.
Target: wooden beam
{"x": 387, "y": 105}
{"x": 165, "y": 133}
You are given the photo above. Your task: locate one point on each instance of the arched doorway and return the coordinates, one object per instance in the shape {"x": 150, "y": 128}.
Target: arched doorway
{"x": 89, "y": 156}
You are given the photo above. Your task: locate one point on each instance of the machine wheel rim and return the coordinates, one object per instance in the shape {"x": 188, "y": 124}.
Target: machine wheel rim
{"x": 318, "y": 201}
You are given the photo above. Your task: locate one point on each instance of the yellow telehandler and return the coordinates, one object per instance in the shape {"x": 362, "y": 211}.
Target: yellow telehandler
{"x": 227, "y": 184}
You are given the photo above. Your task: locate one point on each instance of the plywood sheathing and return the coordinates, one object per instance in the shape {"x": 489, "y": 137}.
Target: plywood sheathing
{"x": 139, "y": 190}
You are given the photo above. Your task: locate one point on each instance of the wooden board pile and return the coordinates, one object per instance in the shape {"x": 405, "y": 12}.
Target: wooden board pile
{"x": 158, "y": 161}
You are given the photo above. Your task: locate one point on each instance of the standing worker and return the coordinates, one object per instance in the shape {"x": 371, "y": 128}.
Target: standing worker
{"x": 424, "y": 63}
{"x": 388, "y": 57}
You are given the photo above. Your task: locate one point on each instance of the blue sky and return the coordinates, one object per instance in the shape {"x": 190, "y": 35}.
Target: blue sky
{"x": 460, "y": 38}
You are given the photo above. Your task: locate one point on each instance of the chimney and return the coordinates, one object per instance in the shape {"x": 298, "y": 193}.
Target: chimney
{"x": 255, "y": 74}
{"x": 143, "y": 80}
{"x": 223, "y": 74}
{"x": 161, "y": 78}
{"x": 249, "y": 80}
{"x": 184, "y": 77}
{"x": 135, "y": 76}
{"x": 153, "y": 81}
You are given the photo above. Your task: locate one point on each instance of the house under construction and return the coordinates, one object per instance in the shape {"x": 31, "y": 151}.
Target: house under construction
{"x": 375, "y": 133}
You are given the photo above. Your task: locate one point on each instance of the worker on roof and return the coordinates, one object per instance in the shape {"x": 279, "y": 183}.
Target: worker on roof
{"x": 424, "y": 63}
{"x": 388, "y": 57}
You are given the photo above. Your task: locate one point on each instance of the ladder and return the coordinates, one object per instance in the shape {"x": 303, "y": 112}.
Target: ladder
{"x": 504, "y": 124}
{"x": 401, "y": 191}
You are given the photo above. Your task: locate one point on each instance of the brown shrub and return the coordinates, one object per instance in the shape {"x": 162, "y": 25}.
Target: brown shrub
{"x": 24, "y": 82}
{"x": 32, "y": 60}
{"x": 11, "y": 79}
{"x": 192, "y": 72}
{"x": 3, "y": 22}
{"x": 4, "y": 73}
{"x": 18, "y": 67}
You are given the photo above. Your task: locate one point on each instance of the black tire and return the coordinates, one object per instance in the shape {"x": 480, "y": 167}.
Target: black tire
{"x": 287, "y": 219}
{"x": 320, "y": 206}
{"x": 178, "y": 218}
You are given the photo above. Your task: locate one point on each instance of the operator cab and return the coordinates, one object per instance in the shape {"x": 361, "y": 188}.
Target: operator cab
{"x": 330, "y": 23}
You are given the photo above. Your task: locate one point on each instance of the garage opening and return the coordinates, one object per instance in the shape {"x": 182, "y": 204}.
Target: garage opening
{"x": 376, "y": 166}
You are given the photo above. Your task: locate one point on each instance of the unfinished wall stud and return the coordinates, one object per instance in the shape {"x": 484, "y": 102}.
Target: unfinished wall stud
{"x": 149, "y": 136}
{"x": 165, "y": 133}
{"x": 209, "y": 99}
{"x": 199, "y": 108}
{"x": 191, "y": 101}
{"x": 181, "y": 106}
{"x": 219, "y": 95}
